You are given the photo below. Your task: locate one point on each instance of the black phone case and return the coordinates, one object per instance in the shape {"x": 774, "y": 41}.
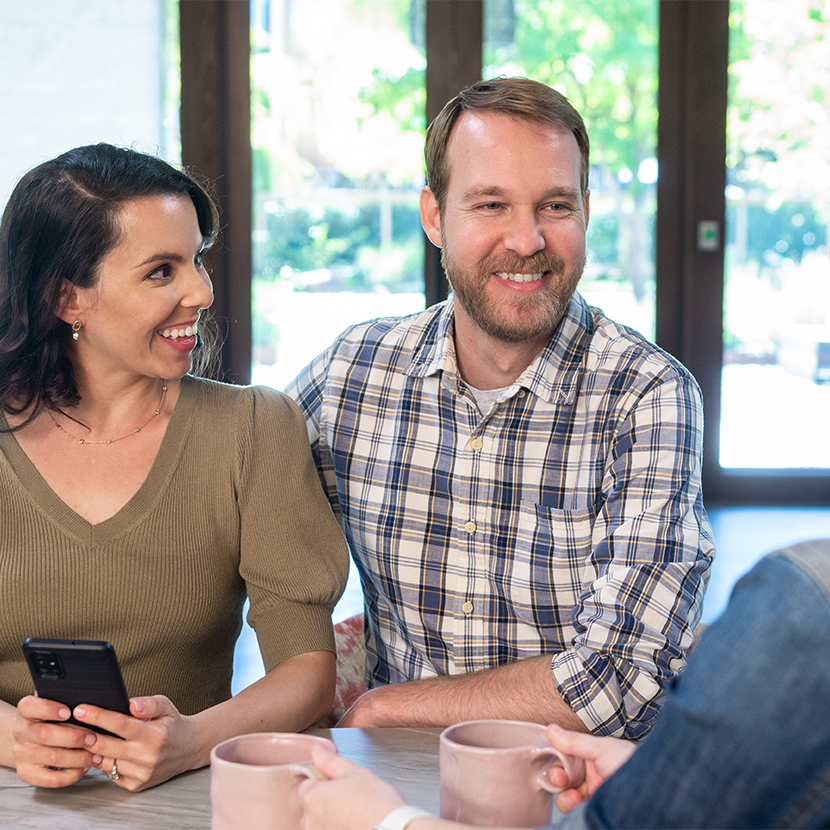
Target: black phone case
{"x": 77, "y": 671}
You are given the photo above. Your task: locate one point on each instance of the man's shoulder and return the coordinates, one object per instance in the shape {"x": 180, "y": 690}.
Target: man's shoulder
{"x": 615, "y": 347}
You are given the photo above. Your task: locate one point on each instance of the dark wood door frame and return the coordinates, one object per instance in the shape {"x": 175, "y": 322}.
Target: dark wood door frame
{"x": 454, "y": 37}
{"x": 216, "y": 142}
{"x": 691, "y": 151}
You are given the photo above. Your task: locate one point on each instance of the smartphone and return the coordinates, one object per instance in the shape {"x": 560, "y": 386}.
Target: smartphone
{"x": 77, "y": 671}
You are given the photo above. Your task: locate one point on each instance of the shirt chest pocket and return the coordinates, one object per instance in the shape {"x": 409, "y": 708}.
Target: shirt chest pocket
{"x": 545, "y": 572}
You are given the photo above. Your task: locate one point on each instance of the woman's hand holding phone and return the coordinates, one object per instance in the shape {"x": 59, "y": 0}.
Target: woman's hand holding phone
{"x": 147, "y": 747}
{"x": 154, "y": 743}
{"x": 138, "y": 743}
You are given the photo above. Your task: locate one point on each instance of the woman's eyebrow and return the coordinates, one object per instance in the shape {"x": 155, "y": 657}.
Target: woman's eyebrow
{"x": 172, "y": 256}
{"x": 162, "y": 255}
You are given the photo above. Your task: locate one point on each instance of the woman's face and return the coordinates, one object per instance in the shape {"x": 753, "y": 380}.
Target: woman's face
{"x": 140, "y": 317}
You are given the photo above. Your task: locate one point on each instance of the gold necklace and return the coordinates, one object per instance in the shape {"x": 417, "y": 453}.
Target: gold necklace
{"x": 113, "y": 440}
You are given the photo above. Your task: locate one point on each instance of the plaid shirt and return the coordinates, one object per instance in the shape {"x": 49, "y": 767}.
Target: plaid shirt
{"x": 567, "y": 520}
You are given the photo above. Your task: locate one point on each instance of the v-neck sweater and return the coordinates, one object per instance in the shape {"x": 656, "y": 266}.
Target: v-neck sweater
{"x": 232, "y": 507}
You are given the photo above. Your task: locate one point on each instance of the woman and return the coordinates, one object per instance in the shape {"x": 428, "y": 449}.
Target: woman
{"x": 139, "y": 504}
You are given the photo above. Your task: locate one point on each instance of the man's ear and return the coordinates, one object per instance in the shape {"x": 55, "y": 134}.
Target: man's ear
{"x": 69, "y": 305}
{"x": 431, "y": 218}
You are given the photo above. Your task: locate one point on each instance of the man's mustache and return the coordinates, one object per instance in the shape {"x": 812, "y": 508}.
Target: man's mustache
{"x": 536, "y": 264}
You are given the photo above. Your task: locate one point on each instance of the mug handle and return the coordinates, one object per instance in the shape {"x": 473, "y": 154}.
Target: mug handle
{"x": 573, "y": 765}
{"x": 307, "y": 769}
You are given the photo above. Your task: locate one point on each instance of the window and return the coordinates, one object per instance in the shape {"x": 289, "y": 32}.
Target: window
{"x": 694, "y": 67}
{"x": 775, "y": 398}
{"x": 75, "y": 72}
{"x": 337, "y": 129}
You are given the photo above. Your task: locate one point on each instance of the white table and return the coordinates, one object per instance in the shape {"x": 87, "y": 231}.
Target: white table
{"x": 406, "y": 758}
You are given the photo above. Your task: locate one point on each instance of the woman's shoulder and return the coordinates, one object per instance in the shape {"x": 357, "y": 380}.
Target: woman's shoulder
{"x": 225, "y": 393}
{"x": 241, "y": 403}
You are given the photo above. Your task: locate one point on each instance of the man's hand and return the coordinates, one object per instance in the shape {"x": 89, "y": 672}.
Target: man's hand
{"x": 602, "y": 756}
{"x": 368, "y": 711}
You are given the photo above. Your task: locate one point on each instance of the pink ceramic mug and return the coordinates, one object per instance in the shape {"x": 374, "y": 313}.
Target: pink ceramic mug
{"x": 254, "y": 780}
{"x": 494, "y": 773}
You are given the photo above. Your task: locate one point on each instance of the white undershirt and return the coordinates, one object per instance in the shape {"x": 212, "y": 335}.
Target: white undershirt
{"x": 485, "y": 398}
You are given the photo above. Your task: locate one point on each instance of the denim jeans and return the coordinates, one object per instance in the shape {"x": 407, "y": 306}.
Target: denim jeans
{"x": 743, "y": 740}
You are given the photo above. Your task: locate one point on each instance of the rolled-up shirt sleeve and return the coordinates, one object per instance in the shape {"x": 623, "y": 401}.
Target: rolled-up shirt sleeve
{"x": 644, "y": 582}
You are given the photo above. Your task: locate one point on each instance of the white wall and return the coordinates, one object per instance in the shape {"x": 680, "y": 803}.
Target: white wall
{"x": 76, "y": 72}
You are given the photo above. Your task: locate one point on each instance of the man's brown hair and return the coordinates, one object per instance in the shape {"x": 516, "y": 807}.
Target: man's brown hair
{"x": 517, "y": 97}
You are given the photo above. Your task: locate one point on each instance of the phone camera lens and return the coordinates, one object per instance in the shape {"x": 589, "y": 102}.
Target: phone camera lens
{"x": 48, "y": 664}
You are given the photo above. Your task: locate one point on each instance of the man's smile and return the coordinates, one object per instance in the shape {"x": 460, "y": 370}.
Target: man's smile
{"x": 520, "y": 277}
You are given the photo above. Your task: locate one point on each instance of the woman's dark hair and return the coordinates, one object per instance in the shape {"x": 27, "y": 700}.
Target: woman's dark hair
{"x": 60, "y": 222}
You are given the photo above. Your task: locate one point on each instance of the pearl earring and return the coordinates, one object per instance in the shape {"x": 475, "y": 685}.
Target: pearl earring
{"x": 76, "y": 327}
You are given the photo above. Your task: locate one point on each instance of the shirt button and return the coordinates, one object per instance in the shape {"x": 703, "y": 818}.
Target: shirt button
{"x": 521, "y": 393}
{"x": 470, "y": 527}
{"x": 467, "y": 608}
{"x": 476, "y": 443}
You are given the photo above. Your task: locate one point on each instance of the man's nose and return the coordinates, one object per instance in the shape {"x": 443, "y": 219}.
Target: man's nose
{"x": 524, "y": 234}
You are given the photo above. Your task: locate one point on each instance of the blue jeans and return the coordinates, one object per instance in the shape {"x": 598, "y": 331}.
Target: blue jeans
{"x": 743, "y": 740}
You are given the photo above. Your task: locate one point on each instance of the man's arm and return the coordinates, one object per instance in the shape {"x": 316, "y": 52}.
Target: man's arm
{"x": 645, "y": 578}
{"x": 523, "y": 690}
{"x": 307, "y": 390}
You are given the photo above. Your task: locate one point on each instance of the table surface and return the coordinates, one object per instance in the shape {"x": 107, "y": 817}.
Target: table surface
{"x": 406, "y": 758}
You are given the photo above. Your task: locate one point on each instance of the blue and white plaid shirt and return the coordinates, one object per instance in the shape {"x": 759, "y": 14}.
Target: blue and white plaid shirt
{"x": 567, "y": 520}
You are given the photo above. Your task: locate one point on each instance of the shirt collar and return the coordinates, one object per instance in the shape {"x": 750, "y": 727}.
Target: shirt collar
{"x": 436, "y": 351}
{"x": 554, "y": 373}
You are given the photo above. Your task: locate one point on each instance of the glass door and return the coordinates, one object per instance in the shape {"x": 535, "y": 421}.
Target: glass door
{"x": 775, "y": 385}
{"x": 338, "y": 117}
{"x": 603, "y": 57}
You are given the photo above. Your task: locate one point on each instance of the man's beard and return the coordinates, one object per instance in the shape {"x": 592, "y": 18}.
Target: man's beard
{"x": 534, "y": 316}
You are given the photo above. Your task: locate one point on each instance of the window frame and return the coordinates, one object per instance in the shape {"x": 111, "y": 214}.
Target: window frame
{"x": 693, "y": 67}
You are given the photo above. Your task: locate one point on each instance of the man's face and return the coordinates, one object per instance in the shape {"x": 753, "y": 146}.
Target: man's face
{"x": 512, "y": 230}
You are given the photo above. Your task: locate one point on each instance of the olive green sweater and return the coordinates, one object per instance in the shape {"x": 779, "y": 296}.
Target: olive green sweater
{"x": 232, "y": 502}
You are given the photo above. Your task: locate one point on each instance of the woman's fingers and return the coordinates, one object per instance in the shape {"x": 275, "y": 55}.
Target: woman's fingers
{"x": 48, "y": 753}
{"x": 52, "y": 777}
{"x": 114, "y": 722}
{"x": 146, "y": 746}
{"x": 153, "y": 707}
{"x": 40, "y": 708}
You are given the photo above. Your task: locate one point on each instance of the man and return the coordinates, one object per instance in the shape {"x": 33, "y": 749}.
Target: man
{"x": 518, "y": 477}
